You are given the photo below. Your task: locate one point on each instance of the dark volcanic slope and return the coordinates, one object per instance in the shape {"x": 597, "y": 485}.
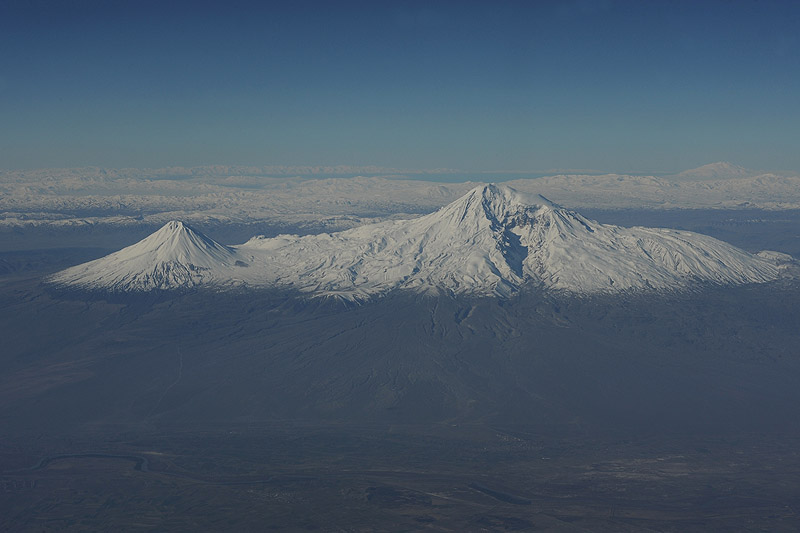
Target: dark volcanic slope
{"x": 717, "y": 360}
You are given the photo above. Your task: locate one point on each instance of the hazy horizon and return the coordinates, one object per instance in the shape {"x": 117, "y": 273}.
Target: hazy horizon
{"x": 717, "y": 170}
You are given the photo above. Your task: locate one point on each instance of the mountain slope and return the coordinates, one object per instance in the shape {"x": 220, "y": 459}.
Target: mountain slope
{"x": 493, "y": 240}
{"x": 175, "y": 256}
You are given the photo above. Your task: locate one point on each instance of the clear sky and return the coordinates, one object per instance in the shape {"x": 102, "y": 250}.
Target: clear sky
{"x": 641, "y": 86}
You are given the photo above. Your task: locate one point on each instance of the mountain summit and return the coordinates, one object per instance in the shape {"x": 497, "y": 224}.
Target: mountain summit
{"x": 492, "y": 241}
{"x": 716, "y": 171}
{"x": 175, "y": 256}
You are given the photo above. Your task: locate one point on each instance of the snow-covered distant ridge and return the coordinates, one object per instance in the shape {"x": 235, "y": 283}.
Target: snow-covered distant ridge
{"x": 211, "y": 196}
{"x": 716, "y": 171}
{"x": 493, "y": 240}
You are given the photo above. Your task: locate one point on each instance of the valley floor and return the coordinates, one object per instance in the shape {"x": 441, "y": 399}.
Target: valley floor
{"x": 338, "y": 478}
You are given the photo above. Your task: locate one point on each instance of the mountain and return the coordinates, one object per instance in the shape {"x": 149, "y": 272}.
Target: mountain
{"x": 48, "y": 208}
{"x": 716, "y": 171}
{"x": 175, "y": 256}
{"x": 492, "y": 241}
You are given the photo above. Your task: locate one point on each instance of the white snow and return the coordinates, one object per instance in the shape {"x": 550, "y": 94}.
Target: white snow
{"x": 75, "y": 198}
{"x": 173, "y": 257}
{"x": 493, "y": 240}
{"x": 715, "y": 171}
{"x": 787, "y": 265}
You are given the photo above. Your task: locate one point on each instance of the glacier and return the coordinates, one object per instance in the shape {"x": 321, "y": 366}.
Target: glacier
{"x": 494, "y": 240}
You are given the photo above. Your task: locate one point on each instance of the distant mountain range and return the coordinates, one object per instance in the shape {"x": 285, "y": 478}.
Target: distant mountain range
{"x": 717, "y": 171}
{"x": 492, "y": 241}
{"x": 210, "y": 196}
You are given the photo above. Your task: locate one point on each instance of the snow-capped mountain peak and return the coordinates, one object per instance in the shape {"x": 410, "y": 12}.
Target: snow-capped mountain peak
{"x": 175, "y": 256}
{"x": 497, "y": 203}
{"x": 177, "y": 242}
{"x": 487, "y": 210}
{"x": 493, "y": 240}
{"x": 715, "y": 171}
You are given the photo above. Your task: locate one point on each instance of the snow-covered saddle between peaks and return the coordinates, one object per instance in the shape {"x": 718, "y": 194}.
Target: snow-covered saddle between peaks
{"x": 492, "y": 241}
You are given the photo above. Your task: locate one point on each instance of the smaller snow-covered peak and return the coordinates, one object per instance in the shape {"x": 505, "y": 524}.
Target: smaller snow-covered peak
{"x": 176, "y": 241}
{"x": 718, "y": 170}
{"x": 175, "y": 256}
{"x": 174, "y": 225}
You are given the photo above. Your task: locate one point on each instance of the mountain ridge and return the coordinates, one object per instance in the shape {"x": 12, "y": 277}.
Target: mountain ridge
{"x": 493, "y": 240}
{"x": 715, "y": 171}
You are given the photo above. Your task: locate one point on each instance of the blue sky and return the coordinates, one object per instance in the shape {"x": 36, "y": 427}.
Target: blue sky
{"x": 642, "y": 86}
